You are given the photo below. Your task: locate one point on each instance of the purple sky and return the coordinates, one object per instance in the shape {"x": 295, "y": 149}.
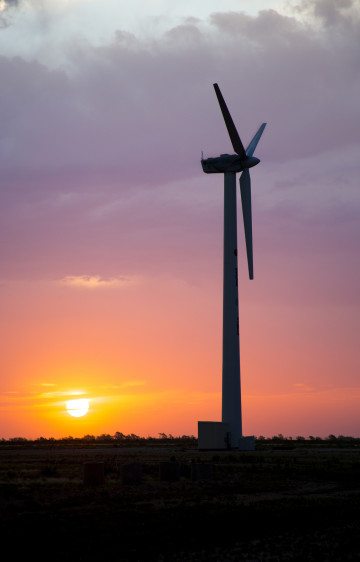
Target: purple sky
{"x": 100, "y": 173}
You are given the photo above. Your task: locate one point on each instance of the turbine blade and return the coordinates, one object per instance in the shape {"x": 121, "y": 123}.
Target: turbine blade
{"x": 233, "y": 134}
{"x": 245, "y": 190}
{"x": 251, "y": 148}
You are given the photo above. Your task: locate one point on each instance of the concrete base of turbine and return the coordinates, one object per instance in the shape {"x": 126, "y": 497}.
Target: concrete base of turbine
{"x": 216, "y": 436}
{"x": 213, "y": 436}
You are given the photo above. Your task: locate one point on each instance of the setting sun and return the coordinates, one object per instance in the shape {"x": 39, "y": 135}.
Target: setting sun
{"x": 77, "y": 408}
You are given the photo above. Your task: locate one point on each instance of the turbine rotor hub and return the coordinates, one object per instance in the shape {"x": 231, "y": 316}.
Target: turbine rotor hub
{"x": 250, "y": 162}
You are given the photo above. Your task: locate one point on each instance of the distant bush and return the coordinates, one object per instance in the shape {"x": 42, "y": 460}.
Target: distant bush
{"x": 121, "y": 439}
{"x": 311, "y": 439}
{"x": 118, "y": 439}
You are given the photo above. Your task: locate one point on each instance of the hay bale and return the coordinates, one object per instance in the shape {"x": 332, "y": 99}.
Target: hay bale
{"x": 169, "y": 471}
{"x": 94, "y": 473}
{"x": 202, "y": 471}
{"x": 131, "y": 473}
{"x": 185, "y": 470}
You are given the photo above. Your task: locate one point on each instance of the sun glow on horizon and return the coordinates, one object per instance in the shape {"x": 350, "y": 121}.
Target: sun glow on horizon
{"x": 78, "y": 408}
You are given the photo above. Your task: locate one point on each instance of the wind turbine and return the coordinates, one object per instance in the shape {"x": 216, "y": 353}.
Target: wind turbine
{"x": 230, "y": 165}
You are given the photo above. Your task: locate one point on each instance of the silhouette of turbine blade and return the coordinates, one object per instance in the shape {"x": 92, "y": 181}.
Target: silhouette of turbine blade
{"x": 245, "y": 190}
{"x": 233, "y": 134}
{"x": 253, "y": 144}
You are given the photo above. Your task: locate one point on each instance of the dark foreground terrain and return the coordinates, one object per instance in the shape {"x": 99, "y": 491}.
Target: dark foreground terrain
{"x": 278, "y": 503}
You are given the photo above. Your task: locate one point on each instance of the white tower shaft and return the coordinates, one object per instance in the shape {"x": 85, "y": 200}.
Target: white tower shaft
{"x": 231, "y": 393}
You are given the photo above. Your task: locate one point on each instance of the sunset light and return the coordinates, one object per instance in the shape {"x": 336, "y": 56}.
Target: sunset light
{"x": 179, "y": 284}
{"x": 111, "y": 284}
{"x": 77, "y": 408}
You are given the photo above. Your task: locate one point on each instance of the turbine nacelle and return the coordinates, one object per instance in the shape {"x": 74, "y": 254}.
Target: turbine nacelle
{"x": 241, "y": 161}
{"x": 228, "y": 163}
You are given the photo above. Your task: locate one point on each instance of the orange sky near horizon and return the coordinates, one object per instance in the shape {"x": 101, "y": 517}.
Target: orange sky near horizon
{"x": 148, "y": 366}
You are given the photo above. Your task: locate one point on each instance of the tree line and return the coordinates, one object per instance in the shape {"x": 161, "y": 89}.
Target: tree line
{"x": 131, "y": 439}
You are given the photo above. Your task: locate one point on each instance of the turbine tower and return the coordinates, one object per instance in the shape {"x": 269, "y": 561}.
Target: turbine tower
{"x": 230, "y": 165}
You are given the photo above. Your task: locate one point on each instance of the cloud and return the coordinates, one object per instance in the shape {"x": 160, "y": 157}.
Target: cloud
{"x": 5, "y": 4}
{"x": 303, "y": 387}
{"x": 100, "y": 158}
{"x": 97, "y": 282}
{"x": 134, "y": 100}
{"x": 27, "y": 400}
{"x": 61, "y": 393}
{"x": 330, "y": 12}
{"x": 4, "y": 7}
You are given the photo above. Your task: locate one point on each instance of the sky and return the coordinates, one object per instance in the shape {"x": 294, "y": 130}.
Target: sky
{"x": 111, "y": 235}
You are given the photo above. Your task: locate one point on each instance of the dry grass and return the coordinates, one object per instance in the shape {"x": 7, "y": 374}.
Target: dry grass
{"x": 300, "y": 504}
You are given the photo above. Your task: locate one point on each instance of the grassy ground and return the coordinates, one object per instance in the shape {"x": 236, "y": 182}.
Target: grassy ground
{"x": 273, "y": 504}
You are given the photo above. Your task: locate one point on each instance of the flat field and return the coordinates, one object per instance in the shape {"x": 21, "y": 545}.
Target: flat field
{"x": 273, "y": 504}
